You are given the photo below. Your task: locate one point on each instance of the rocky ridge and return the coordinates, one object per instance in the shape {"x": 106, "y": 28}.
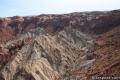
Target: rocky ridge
{"x": 58, "y": 47}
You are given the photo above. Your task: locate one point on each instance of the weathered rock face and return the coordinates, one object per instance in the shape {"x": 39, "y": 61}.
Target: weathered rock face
{"x": 89, "y": 22}
{"x": 58, "y": 47}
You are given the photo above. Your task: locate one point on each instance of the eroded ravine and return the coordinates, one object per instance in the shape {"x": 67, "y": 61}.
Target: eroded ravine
{"x": 54, "y": 47}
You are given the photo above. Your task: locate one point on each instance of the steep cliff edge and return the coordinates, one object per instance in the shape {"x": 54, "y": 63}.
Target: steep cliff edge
{"x": 60, "y": 47}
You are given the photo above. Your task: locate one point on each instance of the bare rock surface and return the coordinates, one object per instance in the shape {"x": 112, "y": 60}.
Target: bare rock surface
{"x": 58, "y": 47}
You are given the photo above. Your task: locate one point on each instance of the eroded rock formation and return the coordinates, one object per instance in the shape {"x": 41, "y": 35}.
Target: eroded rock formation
{"x": 60, "y": 47}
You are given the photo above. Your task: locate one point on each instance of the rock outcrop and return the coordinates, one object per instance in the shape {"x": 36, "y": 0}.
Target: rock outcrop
{"x": 60, "y": 47}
